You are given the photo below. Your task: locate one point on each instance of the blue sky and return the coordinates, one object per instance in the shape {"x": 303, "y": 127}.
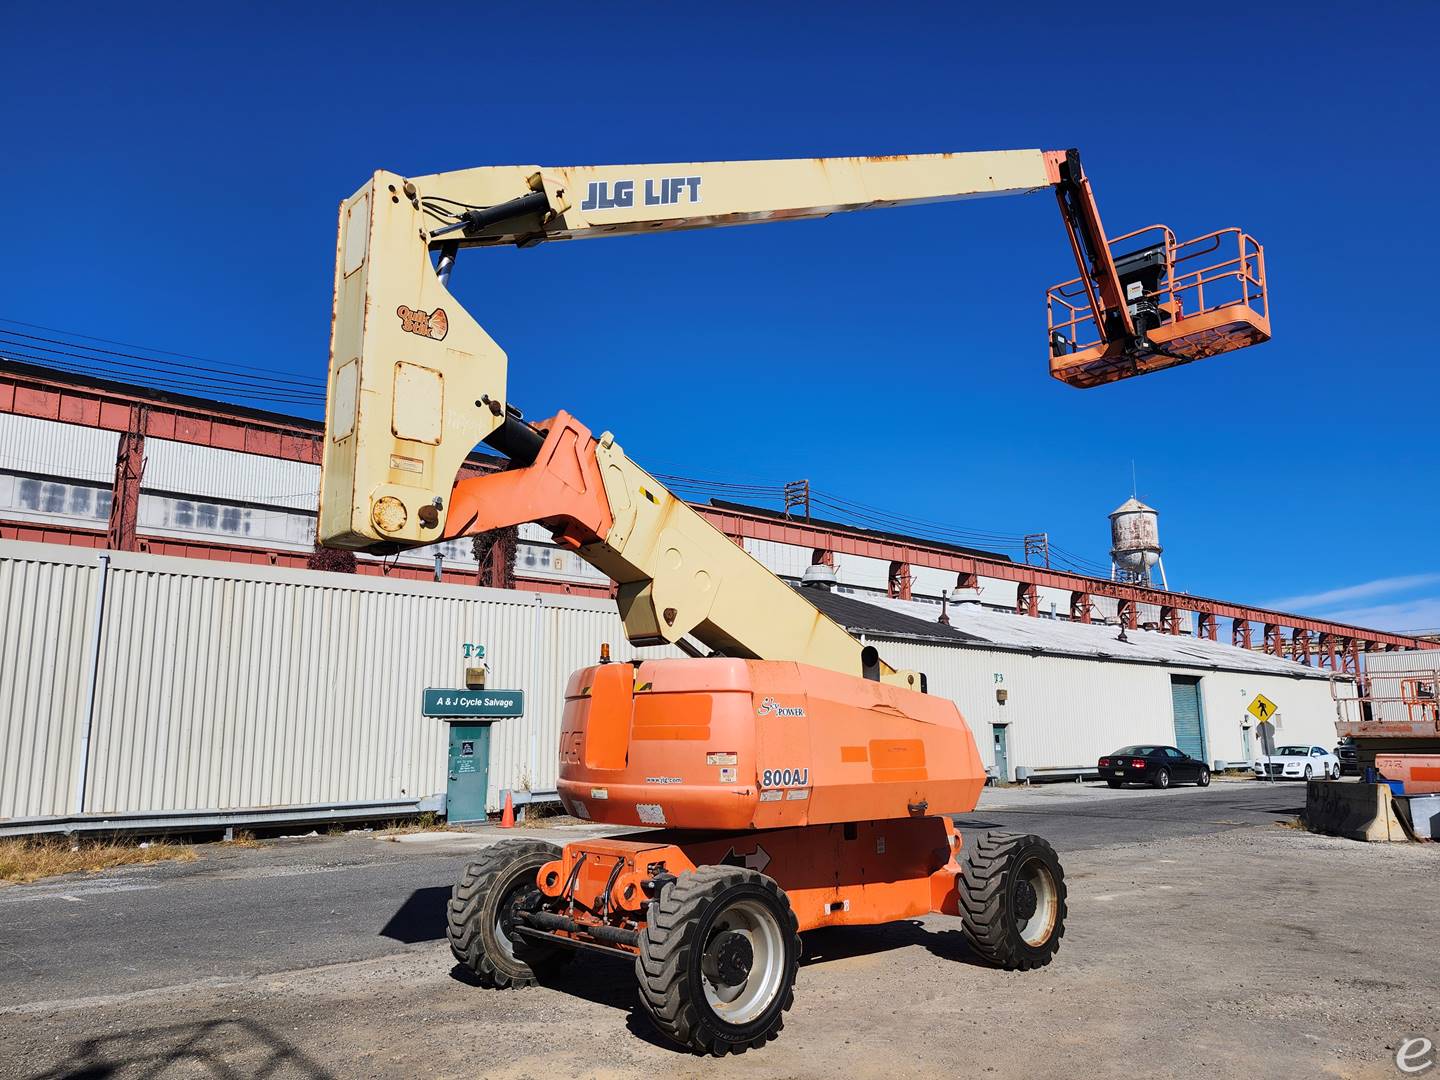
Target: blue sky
{"x": 172, "y": 175}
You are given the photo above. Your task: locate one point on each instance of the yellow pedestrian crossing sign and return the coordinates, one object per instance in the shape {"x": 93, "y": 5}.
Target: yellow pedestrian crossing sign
{"x": 1262, "y": 708}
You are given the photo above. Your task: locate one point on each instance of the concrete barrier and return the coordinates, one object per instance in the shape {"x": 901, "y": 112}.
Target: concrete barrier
{"x": 1424, "y": 814}
{"x": 1355, "y": 811}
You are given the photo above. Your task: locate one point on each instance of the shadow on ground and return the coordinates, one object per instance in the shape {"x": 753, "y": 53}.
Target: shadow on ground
{"x": 844, "y": 942}
{"x": 602, "y": 980}
{"x": 221, "y": 1048}
{"x": 420, "y": 918}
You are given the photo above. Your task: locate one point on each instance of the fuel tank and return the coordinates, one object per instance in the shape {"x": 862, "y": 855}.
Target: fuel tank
{"x": 720, "y": 743}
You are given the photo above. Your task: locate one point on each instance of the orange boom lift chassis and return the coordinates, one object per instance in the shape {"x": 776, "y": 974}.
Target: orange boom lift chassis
{"x": 786, "y": 776}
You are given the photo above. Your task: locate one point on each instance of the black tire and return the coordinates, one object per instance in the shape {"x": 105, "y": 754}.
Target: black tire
{"x": 476, "y": 917}
{"x": 688, "y": 929}
{"x": 1309, "y": 772}
{"x": 1162, "y": 779}
{"x": 1203, "y": 780}
{"x": 1113, "y": 783}
{"x": 1000, "y": 898}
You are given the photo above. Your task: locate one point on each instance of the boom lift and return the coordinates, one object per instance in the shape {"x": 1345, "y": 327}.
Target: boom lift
{"x": 792, "y": 778}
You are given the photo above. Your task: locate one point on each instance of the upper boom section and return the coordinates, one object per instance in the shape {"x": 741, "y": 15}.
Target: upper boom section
{"x": 574, "y": 202}
{"x": 416, "y": 383}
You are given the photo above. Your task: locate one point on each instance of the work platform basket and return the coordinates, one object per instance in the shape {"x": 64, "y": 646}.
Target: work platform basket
{"x": 1187, "y": 301}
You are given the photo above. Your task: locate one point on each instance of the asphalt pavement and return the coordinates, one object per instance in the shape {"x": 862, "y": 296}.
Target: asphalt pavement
{"x": 311, "y": 901}
{"x": 1201, "y": 940}
{"x": 1081, "y": 817}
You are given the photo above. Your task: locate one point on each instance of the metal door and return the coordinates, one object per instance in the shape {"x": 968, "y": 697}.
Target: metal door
{"x": 1189, "y": 723}
{"x": 468, "y": 773}
{"x": 1002, "y": 755}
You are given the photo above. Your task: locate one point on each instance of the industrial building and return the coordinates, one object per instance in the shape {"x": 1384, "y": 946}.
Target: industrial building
{"x": 169, "y": 657}
{"x": 140, "y": 689}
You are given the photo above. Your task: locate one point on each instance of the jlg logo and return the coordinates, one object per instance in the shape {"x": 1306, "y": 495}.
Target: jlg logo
{"x": 570, "y": 742}
{"x": 662, "y": 191}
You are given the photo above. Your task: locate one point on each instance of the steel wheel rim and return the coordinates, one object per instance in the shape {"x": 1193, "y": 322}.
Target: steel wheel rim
{"x": 504, "y": 933}
{"x": 1036, "y": 930}
{"x": 742, "y": 1003}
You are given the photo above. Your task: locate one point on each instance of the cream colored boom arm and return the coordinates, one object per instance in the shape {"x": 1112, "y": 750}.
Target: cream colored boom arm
{"x": 415, "y": 383}
{"x": 582, "y": 201}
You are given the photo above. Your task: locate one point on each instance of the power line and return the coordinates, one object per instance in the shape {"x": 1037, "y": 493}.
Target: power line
{"x": 178, "y": 385}
{"x": 33, "y": 341}
{"x": 70, "y": 352}
{"x": 866, "y": 515}
{"x": 62, "y": 357}
{"x": 904, "y": 522}
{"x": 132, "y": 345}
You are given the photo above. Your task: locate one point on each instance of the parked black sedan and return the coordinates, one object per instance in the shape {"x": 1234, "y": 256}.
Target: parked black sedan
{"x": 1159, "y": 766}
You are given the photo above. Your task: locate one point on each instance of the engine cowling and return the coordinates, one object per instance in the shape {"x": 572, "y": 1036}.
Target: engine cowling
{"x": 721, "y": 743}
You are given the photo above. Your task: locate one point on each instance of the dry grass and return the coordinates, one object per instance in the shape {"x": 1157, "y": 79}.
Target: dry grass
{"x": 244, "y": 838}
{"x": 426, "y": 822}
{"x": 34, "y": 857}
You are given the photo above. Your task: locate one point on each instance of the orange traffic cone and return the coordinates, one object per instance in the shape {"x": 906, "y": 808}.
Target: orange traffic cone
{"x": 507, "y": 819}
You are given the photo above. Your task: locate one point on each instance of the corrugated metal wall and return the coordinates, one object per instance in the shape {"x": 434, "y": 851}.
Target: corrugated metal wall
{"x": 195, "y": 471}
{"x": 51, "y": 448}
{"x": 223, "y": 686}
{"x": 44, "y": 666}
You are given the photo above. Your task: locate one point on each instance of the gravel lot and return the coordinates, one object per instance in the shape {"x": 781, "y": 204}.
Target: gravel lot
{"x": 1202, "y": 937}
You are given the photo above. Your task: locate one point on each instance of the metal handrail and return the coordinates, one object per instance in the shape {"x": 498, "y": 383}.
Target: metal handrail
{"x": 1409, "y": 696}
{"x": 1245, "y": 271}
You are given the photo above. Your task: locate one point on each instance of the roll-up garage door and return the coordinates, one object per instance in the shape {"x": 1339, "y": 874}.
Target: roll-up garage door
{"x": 1189, "y": 724}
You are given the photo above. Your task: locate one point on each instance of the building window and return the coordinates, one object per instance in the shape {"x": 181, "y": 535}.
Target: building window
{"x": 233, "y": 521}
{"x": 102, "y": 503}
{"x": 184, "y": 514}
{"x": 80, "y": 499}
{"x": 30, "y": 494}
{"x": 206, "y": 515}
{"x": 54, "y": 498}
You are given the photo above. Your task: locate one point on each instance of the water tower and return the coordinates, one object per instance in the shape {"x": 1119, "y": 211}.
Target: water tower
{"x": 1135, "y": 544}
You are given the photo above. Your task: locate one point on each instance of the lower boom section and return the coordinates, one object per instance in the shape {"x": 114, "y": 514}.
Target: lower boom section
{"x": 712, "y": 920}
